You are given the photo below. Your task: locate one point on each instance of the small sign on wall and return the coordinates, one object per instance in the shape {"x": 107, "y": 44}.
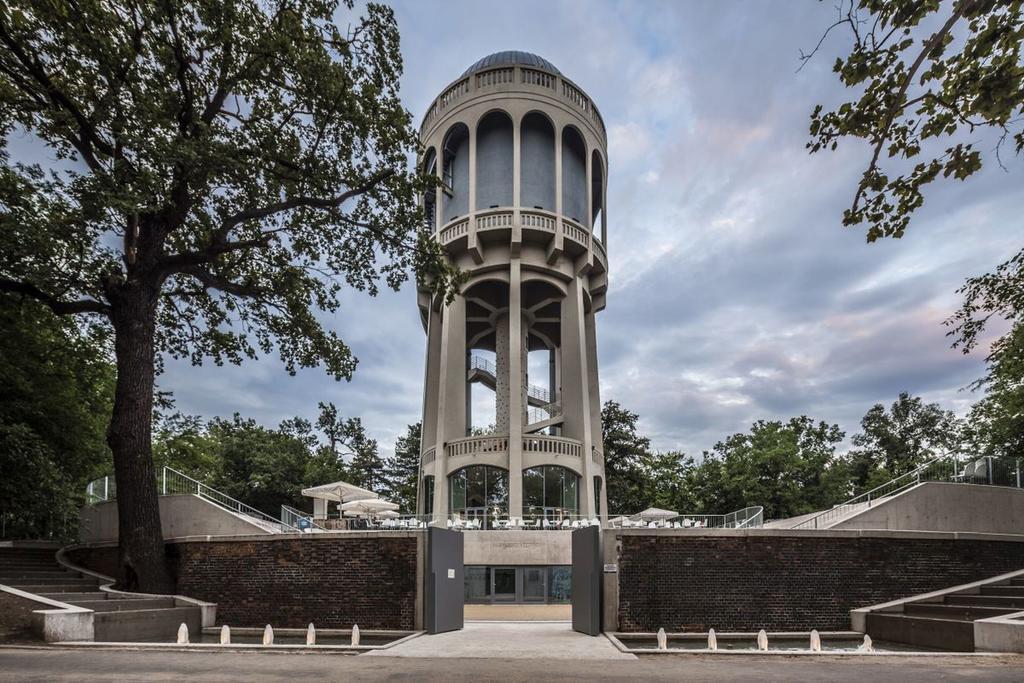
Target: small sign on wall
{"x": 611, "y": 568}
{"x": 451, "y": 573}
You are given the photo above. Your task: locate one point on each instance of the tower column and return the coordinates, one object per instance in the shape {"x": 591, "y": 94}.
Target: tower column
{"x": 515, "y": 390}
{"x": 451, "y": 399}
{"x": 576, "y": 387}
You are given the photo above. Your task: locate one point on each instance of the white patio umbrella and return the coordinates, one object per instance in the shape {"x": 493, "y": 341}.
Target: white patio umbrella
{"x": 618, "y": 521}
{"x": 339, "y": 491}
{"x": 656, "y": 514}
{"x": 388, "y": 514}
{"x": 369, "y": 506}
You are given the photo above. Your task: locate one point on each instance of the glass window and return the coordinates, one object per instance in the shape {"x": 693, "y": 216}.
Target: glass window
{"x": 597, "y": 497}
{"x": 534, "y": 580}
{"x": 428, "y": 494}
{"x": 479, "y": 492}
{"x": 551, "y": 491}
{"x": 505, "y": 583}
{"x": 560, "y": 584}
{"x": 533, "y": 488}
{"x": 478, "y": 584}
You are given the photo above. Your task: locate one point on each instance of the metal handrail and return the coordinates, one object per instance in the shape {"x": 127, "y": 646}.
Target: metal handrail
{"x": 936, "y": 469}
{"x": 746, "y": 518}
{"x": 532, "y": 390}
{"x": 291, "y": 517}
{"x": 178, "y": 482}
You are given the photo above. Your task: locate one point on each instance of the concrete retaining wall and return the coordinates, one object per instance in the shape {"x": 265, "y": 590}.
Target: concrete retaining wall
{"x": 518, "y": 547}
{"x": 180, "y": 516}
{"x": 936, "y": 506}
{"x": 784, "y": 580}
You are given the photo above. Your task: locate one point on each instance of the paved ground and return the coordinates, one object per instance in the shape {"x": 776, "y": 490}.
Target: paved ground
{"x": 509, "y": 640}
{"x": 26, "y": 666}
{"x": 518, "y": 612}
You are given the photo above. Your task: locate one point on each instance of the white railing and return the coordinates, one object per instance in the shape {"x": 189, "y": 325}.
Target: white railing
{"x": 299, "y": 519}
{"x": 552, "y": 445}
{"x": 472, "y": 445}
{"x": 175, "y": 482}
{"x": 747, "y": 518}
{"x": 575, "y": 232}
{"x": 944, "y": 468}
{"x": 494, "y": 220}
{"x": 100, "y": 490}
{"x": 540, "y": 394}
{"x": 544, "y": 412}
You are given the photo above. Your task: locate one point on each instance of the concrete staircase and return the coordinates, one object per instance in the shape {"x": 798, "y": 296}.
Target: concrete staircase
{"x": 948, "y": 623}
{"x": 118, "y": 618}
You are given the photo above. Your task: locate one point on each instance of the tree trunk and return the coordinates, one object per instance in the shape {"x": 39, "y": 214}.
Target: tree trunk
{"x": 141, "y": 559}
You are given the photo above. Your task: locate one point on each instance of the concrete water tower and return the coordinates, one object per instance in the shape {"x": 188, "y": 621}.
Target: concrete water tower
{"x": 521, "y": 153}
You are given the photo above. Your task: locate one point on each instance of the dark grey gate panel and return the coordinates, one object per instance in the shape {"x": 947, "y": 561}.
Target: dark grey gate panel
{"x": 445, "y": 581}
{"x": 586, "y": 580}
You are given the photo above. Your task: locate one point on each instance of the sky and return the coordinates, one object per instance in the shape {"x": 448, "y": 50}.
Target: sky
{"x": 735, "y": 294}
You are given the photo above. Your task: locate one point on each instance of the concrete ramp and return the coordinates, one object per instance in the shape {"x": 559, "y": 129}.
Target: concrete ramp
{"x": 180, "y": 516}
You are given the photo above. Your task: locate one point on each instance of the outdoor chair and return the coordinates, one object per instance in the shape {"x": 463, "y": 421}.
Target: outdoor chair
{"x": 565, "y": 523}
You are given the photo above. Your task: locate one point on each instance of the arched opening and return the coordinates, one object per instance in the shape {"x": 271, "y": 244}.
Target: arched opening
{"x": 574, "y": 175}
{"x": 551, "y": 494}
{"x": 429, "y": 168}
{"x": 537, "y": 166}
{"x": 494, "y": 170}
{"x": 455, "y": 173}
{"x": 479, "y": 492}
{"x": 487, "y": 357}
{"x": 596, "y": 193}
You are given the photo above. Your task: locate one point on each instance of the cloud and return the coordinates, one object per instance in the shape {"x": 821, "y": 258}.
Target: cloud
{"x": 735, "y": 294}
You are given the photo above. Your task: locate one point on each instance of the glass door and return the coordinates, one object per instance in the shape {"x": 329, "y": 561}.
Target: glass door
{"x": 504, "y": 587}
{"x": 534, "y": 584}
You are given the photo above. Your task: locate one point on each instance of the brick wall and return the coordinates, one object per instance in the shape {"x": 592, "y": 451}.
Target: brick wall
{"x": 692, "y": 583}
{"x": 332, "y": 581}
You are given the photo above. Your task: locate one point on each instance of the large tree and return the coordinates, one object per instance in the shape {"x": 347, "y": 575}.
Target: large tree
{"x": 625, "y": 454}
{"x": 895, "y": 441}
{"x": 402, "y": 470}
{"x": 224, "y": 169}
{"x": 996, "y": 422}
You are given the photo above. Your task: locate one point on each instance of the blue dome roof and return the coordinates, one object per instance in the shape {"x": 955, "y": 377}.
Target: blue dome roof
{"x": 512, "y": 58}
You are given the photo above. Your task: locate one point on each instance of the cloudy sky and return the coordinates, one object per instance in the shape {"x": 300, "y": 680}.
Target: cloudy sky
{"x": 735, "y": 293}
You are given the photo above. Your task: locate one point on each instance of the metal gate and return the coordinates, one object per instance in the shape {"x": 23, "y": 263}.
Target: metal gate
{"x": 586, "y": 580}
{"x": 445, "y": 590}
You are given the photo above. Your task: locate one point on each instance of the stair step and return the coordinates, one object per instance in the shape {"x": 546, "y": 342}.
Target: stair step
{"x": 8, "y": 575}
{"x": 71, "y": 596}
{"x": 961, "y": 612}
{"x": 114, "y": 605}
{"x": 146, "y": 624}
{"x": 986, "y": 600}
{"x": 53, "y": 580}
{"x": 941, "y": 634}
{"x": 1013, "y": 591}
{"x": 1017, "y": 582}
{"x": 54, "y": 588}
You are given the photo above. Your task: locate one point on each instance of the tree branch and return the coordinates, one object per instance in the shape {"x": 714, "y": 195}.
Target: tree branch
{"x": 56, "y": 305}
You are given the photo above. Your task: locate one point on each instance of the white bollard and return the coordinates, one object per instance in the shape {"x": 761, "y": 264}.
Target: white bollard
{"x": 355, "y": 635}
{"x": 310, "y": 634}
{"x": 225, "y": 635}
{"x": 662, "y": 639}
{"x": 762, "y": 640}
{"x": 815, "y": 641}
{"x": 268, "y": 635}
{"x": 183, "y": 634}
{"x": 866, "y": 646}
{"x": 712, "y": 639}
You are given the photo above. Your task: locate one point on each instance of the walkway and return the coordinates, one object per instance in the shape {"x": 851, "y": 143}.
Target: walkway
{"x": 510, "y": 640}
{"x": 79, "y": 666}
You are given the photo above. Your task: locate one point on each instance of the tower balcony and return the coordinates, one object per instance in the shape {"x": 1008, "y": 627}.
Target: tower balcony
{"x": 492, "y": 449}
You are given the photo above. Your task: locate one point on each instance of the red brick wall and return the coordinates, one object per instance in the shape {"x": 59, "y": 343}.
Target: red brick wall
{"x": 331, "y": 581}
{"x": 692, "y": 583}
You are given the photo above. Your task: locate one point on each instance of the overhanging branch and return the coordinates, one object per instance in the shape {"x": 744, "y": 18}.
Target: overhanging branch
{"x": 55, "y": 304}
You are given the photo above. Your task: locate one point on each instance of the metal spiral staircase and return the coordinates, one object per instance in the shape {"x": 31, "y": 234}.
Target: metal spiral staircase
{"x": 543, "y": 410}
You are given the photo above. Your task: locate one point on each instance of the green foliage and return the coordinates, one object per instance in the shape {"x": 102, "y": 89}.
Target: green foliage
{"x": 896, "y": 441}
{"x": 402, "y": 470}
{"x": 248, "y": 158}
{"x": 997, "y": 420}
{"x": 57, "y": 384}
{"x": 351, "y": 449}
{"x": 624, "y": 453}
{"x": 790, "y": 468}
{"x": 916, "y": 87}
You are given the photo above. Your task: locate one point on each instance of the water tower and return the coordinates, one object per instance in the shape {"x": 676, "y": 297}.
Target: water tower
{"x": 521, "y": 155}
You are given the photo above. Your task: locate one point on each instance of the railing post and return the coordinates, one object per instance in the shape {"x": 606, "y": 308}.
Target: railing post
{"x": 989, "y": 458}
{"x": 165, "y": 481}
{"x": 106, "y": 487}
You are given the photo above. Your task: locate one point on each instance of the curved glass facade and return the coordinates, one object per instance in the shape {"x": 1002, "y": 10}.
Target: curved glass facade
{"x": 551, "y": 492}
{"x": 479, "y": 492}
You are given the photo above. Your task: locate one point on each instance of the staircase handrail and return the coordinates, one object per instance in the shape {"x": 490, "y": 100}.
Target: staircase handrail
{"x": 180, "y": 482}
{"x": 290, "y": 516}
{"x": 889, "y": 488}
{"x": 485, "y": 365}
